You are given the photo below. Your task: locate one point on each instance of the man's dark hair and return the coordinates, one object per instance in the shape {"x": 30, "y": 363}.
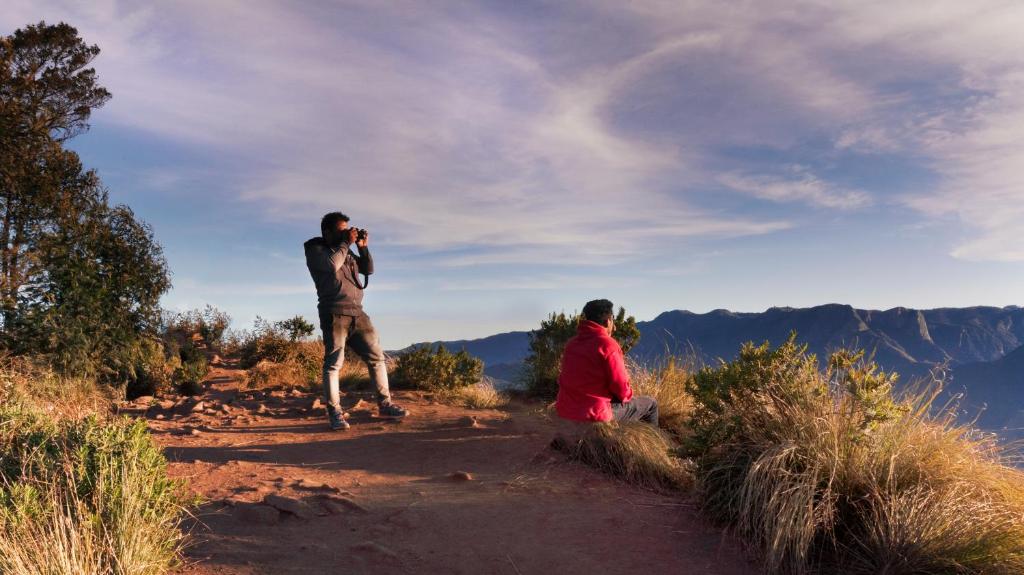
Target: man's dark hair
{"x": 330, "y": 221}
{"x": 598, "y": 311}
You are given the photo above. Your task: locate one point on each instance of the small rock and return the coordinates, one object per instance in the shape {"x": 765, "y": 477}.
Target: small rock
{"x": 317, "y": 405}
{"x": 194, "y": 431}
{"x": 225, "y": 408}
{"x": 372, "y": 547}
{"x": 197, "y": 407}
{"x": 166, "y": 404}
{"x": 143, "y": 400}
{"x": 461, "y": 476}
{"x": 160, "y": 416}
{"x": 296, "y": 507}
{"x": 257, "y": 513}
{"x": 362, "y": 406}
{"x": 468, "y": 421}
{"x": 339, "y": 504}
{"x": 295, "y": 393}
{"x": 261, "y": 409}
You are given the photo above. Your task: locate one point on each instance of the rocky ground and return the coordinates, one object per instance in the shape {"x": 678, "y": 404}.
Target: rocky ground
{"x": 446, "y": 490}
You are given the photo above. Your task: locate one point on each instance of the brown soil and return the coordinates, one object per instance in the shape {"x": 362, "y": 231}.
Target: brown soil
{"x": 447, "y": 490}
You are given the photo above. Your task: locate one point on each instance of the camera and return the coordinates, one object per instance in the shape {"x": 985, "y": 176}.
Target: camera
{"x": 360, "y": 234}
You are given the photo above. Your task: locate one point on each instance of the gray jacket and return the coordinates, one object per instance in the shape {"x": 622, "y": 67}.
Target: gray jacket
{"x": 335, "y": 272}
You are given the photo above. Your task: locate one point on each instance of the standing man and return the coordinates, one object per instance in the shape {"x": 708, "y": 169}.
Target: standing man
{"x": 335, "y": 270}
{"x": 594, "y": 384}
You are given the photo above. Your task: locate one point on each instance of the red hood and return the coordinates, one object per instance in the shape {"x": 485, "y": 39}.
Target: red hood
{"x": 588, "y": 327}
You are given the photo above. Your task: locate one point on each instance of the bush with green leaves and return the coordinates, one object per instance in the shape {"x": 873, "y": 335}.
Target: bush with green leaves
{"x": 437, "y": 369}
{"x": 193, "y": 369}
{"x": 297, "y": 328}
{"x": 825, "y": 470}
{"x": 543, "y": 364}
{"x": 84, "y": 496}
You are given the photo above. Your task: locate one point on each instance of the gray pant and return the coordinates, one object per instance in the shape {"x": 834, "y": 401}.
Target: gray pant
{"x": 359, "y": 334}
{"x": 640, "y": 408}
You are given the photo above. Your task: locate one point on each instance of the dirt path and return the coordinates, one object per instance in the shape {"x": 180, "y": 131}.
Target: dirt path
{"x": 286, "y": 495}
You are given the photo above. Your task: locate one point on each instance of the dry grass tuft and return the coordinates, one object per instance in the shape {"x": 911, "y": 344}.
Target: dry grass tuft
{"x": 31, "y": 380}
{"x": 636, "y": 452}
{"x": 666, "y": 383}
{"x": 482, "y": 395}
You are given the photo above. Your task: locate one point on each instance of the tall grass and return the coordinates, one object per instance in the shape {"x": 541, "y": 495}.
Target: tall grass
{"x": 81, "y": 495}
{"x": 666, "y": 383}
{"x": 829, "y": 471}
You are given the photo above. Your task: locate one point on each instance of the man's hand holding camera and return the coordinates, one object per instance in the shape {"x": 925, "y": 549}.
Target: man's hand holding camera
{"x": 357, "y": 236}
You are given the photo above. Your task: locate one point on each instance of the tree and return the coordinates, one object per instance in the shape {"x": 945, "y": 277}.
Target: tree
{"x": 47, "y": 94}
{"x": 296, "y": 327}
{"x": 80, "y": 280}
{"x": 548, "y": 342}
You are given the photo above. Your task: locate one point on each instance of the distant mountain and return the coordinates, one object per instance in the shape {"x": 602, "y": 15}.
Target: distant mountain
{"x": 905, "y": 340}
{"x": 993, "y": 391}
{"x": 982, "y": 345}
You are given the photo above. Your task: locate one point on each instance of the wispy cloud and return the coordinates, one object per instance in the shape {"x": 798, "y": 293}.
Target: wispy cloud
{"x": 495, "y": 135}
{"x": 801, "y": 186}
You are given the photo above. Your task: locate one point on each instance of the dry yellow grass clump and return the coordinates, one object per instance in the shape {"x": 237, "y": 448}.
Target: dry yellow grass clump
{"x": 80, "y": 494}
{"x": 637, "y": 453}
{"x": 481, "y": 395}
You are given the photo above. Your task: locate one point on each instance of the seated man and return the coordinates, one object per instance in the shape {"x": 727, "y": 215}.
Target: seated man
{"x": 594, "y": 384}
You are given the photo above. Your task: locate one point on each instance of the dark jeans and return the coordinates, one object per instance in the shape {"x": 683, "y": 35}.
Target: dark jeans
{"x": 359, "y": 334}
{"x": 640, "y": 408}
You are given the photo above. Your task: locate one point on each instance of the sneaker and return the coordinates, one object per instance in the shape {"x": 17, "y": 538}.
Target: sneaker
{"x": 390, "y": 410}
{"x": 336, "y": 418}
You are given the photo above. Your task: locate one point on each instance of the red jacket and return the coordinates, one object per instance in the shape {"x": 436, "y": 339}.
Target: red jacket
{"x": 593, "y": 375}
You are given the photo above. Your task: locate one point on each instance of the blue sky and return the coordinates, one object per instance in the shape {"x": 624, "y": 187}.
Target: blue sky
{"x": 516, "y": 158}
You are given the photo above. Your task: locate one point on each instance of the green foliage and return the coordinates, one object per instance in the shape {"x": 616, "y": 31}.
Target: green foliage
{"x": 825, "y": 471}
{"x": 99, "y": 488}
{"x": 193, "y": 369}
{"x": 80, "y": 280}
{"x": 548, "y": 342}
{"x": 722, "y": 394}
{"x": 437, "y": 369}
{"x": 296, "y": 327}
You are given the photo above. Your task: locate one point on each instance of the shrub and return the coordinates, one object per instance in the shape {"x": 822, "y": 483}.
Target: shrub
{"x": 209, "y": 324}
{"x": 547, "y": 343}
{"x": 151, "y": 369}
{"x": 827, "y": 471}
{"x": 84, "y": 496}
{"x": 193, "y": 369}
{"x": 265, "y": 342}
{"x": 297, "y": 328}
{"x": 437, "y": 369}
{"x": 275, "y": 354}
